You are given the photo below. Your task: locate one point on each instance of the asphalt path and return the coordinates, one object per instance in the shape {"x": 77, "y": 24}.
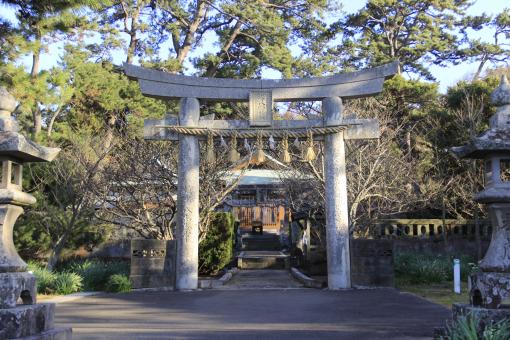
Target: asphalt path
{"x": 264, "y": 313}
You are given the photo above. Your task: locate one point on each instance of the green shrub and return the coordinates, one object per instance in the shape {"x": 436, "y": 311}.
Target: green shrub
{"x": 68, "y": 283}
{"x": 421, "y": 269}
{"x": 96, "y": 273}
{"x": 44, "y": 278}
{"x": 470, "y": 328}
{"x": 216, "y": 250}
{"x": 118, "y": 283}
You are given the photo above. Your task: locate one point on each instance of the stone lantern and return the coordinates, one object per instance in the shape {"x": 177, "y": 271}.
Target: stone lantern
{"x": 20, "y": 316}
{"x": 490, "y": 287}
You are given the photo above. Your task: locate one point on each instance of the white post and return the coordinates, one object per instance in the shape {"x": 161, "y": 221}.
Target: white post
{"x": 456, "y": 276}
{"x": 186, "y": 271}
{"x": 337, "y": 222}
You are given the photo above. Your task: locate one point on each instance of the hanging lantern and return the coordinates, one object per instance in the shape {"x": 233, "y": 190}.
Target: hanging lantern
{"x": 210, "y": 157}
{"x": 285, "y": 149}
{"x": 260, "y": 156}
{"x": 310, "y": 153}
{"x": 233, "y": 154}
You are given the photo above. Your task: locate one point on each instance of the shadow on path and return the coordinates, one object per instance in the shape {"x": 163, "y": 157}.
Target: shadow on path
{"x": 253, "y": 314}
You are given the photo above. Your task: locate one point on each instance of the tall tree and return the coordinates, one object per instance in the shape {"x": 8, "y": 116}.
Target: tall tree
{"x": 415, "y": 32}
{"x": 495, "y": 51}
{"x": 40, "y": 22}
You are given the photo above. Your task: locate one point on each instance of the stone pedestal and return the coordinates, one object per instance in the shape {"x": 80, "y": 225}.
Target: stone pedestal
{"x": 486, "y": 316}
{"x": 31, "y": 322}
{"x": 491, "y": 286}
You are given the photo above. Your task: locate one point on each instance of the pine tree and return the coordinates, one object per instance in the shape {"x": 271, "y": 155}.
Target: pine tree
{"x": 415, "y": 32}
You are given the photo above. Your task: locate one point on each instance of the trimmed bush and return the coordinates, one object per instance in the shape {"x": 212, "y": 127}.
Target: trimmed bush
{"x": 68, "y": 283}
{"x": 421, "y": 269}
{"x": 216, "y": 250}
{"x": 118, "y": 283}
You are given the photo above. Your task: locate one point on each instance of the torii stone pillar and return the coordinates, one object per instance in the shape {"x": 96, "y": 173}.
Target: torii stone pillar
{"x": 186, "y": 275}
{"x": 337, "y": 222}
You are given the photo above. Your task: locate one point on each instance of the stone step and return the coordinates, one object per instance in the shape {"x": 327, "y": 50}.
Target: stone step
{"x": 261, "y": 242}
{"x": 263, "y": 260}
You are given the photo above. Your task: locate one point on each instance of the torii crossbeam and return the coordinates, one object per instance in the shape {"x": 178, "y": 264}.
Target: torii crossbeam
{"x": 189, "y": 127}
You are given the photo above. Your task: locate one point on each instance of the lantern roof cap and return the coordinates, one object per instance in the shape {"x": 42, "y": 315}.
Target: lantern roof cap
{"x": 17, "y": 146}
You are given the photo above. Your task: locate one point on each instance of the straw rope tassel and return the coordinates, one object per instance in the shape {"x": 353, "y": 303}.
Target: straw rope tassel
{"x": 260, "y": 156}
{"x": 285, "y": 149}
{"x": 233, "y": 154}
{"x": 210, "y": 157}
{"x": 309, "y": 154}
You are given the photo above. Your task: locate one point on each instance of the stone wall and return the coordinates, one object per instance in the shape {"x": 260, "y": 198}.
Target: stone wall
{"x": 372, "y": 263}
{"x": 152, "y": 263}
{"x": 455, "y": 247}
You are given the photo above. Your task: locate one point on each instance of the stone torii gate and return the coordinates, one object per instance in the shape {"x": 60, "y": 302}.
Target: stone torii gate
{"x": 333, "y": 129}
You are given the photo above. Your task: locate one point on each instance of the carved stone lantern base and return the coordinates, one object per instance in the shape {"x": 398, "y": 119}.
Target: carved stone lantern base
{"x": 489, "y": 290}
{"x": 34, "y": 322}
{"x": 486, "y": 316}
{"x": 491, "y": 286}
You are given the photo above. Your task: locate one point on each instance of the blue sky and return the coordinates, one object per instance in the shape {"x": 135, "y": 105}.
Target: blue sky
{"x": 445, "y": 76}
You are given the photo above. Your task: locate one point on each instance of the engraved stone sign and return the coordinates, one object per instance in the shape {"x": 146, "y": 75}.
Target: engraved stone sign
{"x": 261, "y": 108}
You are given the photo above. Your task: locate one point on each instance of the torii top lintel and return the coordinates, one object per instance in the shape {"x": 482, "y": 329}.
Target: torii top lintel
{"x": 358, "y": 84}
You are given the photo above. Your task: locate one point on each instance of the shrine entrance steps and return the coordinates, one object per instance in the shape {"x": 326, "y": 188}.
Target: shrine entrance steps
{"x": 262, "y": 259}
{"x": 265, "y": 241}
{"x": 261, "y": 251}
{"x": 255, "y": 279}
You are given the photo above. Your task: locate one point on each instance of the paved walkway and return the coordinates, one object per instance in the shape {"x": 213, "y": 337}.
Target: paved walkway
{"x": 253, "y": 314}
{"x": 262, "y": 279}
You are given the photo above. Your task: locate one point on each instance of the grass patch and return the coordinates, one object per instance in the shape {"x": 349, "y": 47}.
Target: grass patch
{"x": 82, "y": 275}
{"x": 412, "y": 268}
{"x": 440, "y": 293}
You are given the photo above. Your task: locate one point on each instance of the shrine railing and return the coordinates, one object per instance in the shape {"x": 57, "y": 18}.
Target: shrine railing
{"x": 432, "y": 228}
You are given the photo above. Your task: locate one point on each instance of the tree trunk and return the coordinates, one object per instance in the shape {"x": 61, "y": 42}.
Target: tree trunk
{"x": 213, "y": 67}
{"x": 110, "y": 129}
{"x": 56, "y": 252}
{"x": 132, "y": 47}
{"x": 36, "y": 60}
{"x": 36, "y": 113}
{"x": 37, "y": 116}
{"x": 480, "y": 67}
{"x": 52, "y": 121}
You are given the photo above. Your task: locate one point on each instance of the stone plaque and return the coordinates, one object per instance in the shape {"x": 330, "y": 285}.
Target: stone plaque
{"x": 261, "y": 108}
